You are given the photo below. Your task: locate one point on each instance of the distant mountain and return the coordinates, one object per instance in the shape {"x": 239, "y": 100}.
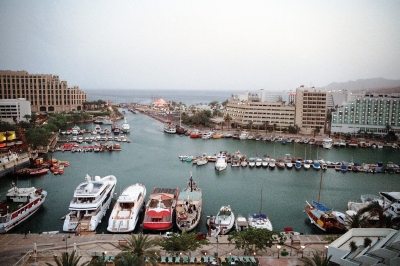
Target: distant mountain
{"x": 372, "y": 85}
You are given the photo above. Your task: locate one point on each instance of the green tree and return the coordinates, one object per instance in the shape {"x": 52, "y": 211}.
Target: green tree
{"x": 38, "y": 136}
{"x": 316, "y": 260}
{"x": 181, "y": 242}
{"x": 353, "y": 246}
{"x": 126, "y": 259}
{"x": 141, "y": 246}
{"x": 355, "y": 221}
{"x": 375, "y": 207}
{"x": 255, "y": 239}
{"x": 27, "y": 117}
{"x": 367, "y": 242}
{"x": 67, "y": 260}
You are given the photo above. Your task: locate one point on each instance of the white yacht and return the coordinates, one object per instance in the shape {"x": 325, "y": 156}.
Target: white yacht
{"x": 125, "y": 127}
{"x": 327, "y": 143}
{"x": 221, "y": 162}
{"x": 189, "y": 207}
{"x": 90, "y": 203}
{"x": 19, "y": 205}
{"x": 223, "y": 222}
{"x": 125, "y": 213}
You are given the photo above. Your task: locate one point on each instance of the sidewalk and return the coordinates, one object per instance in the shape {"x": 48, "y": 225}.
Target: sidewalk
{"x": 15, "y": 247}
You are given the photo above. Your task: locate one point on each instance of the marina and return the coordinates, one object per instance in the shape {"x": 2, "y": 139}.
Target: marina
{"x": 151, "y": 158}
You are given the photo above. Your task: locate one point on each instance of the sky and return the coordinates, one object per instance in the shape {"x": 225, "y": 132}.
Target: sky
{"x": 201, "y": 45}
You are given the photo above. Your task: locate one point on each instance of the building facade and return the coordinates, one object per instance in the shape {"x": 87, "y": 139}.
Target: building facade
{"x": 46, "y": 92}
{"x": 18, "y": 108}
{"x": 311, "y": 110}
{"x": 252, "y": 109}
{"x": 368, "y": 113}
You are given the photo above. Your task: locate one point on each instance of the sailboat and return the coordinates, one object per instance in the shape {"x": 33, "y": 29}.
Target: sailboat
{"x": 322, "y": 217}
{"x": 180, "y": 129}
{"x": 260, "y": 220}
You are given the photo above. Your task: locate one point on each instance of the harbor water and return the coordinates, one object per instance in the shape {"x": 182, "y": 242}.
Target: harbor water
{"x": 151, "y": 158}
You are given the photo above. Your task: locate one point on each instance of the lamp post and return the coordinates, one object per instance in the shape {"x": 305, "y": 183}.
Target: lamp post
{"x": 65, "y": 238}
{"x": 302, "y": 251}
{"x": 278, "y": 247}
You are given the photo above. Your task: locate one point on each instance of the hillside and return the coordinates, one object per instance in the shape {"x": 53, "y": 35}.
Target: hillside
{"x": 372, "y": 85}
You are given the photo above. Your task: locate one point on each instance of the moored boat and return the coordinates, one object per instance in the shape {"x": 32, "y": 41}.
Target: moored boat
{"x": 260, "y": 220}
{"x": 160, "y": 209}
{"x": 90, "y": 203}
{"x": 19, "y": 205}
{"x": 221, "y": 162}
{"x": 223, "y": 222}
{"x": 189, "y": 206}
{"x": 323, "y": 218}
{"x": 125, "y": 213}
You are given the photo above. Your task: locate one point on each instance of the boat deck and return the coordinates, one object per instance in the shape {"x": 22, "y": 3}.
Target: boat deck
{"x": 165, "y": 190}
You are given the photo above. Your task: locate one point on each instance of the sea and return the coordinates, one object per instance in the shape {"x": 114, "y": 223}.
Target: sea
{"x": 142, "y": 96}
{"x": 151, "y": 158}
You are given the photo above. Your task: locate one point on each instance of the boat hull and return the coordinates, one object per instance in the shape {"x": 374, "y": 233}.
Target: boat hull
{"x": 9, "y": 221}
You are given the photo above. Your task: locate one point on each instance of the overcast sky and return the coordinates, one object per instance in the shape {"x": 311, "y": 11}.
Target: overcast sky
{"x": 218, "y": 45}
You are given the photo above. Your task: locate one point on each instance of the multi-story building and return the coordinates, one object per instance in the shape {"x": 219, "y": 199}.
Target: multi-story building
{"x": 311, "y": 110}
{"x": 369, "y": 113}
{"x": 10, "y": 108}
{"x": 260, "y": 110}
{"x": 46, "y": 92}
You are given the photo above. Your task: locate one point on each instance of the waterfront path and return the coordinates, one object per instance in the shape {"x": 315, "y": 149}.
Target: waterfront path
{"x": 17, "y": 249}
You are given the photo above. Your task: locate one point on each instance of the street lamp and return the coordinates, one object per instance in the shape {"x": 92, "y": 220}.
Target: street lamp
{"x": 65, "y": 238}
{"x": 278, "y": 247}
{"x": 302, "y": 251}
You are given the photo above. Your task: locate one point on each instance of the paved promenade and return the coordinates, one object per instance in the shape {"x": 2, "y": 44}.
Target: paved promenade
{"x": 17, "y": 249}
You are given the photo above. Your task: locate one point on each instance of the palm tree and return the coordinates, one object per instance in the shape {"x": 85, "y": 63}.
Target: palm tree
{"x": 316, "y": 260}
{"x": 376, "y": 208}
{"x": 67, "y": 260}
{"x": 355, "y": 221}
{"x": 140, "y": 246}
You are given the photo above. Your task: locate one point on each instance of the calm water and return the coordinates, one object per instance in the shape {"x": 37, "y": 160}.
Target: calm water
{"x": 152, "y": 158}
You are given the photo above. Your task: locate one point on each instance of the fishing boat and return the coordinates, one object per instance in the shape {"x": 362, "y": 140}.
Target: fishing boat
{"x": 189, "y": 206}
{"x": 221, "y": 162}
{"x": 222, "y": 223}
{"x": 126, "y": 210}
{"x": 90, "y": 203}
{"x": 160, "y": 209}
{"x": 322, "y": 217}
{"x": 260, "y": 220}
{"x": 19, "y": 205}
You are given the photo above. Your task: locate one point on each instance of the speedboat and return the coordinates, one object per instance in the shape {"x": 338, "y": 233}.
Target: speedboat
{"x": 258, "y": 162}
{"x": 241, "y": 223}
{"x": 272, "y": 163}
{"x": 19, "y": 205}
{"x": 189, "y": 207}
{"x": 125, "y": 213}
{"x": 316, "y": 165}
{"x": 125, "y": 127}
{"x": 221, "y": 162}
{"x": 252, "y": 162}
{"x": 90, "y": 203}
{"x": 160, "y": 209}
{"x": 297, "y": 165}
{"x": 223, "y": 222}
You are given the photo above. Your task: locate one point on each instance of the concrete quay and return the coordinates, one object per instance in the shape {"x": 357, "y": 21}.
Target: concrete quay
{"x": 17, "y": 249}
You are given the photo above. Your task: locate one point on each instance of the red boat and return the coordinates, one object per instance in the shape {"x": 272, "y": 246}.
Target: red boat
{"x": 39, "y": 172}
{"x": 160, "y": 209}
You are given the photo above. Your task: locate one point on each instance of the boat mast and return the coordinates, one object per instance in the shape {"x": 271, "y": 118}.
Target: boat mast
{"x": 320, "y": 186}
{"x": 191, "y": 182}
{"x": 260, "y": 204}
